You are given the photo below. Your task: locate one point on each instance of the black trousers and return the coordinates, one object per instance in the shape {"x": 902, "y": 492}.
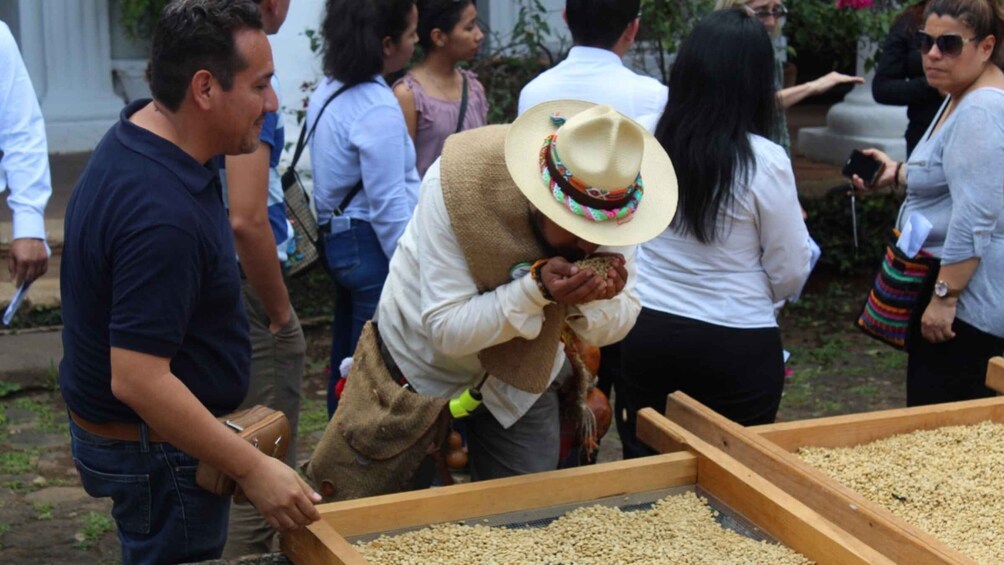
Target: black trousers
{"x": 736, "y": 372}
{"x": 952, "y": 370}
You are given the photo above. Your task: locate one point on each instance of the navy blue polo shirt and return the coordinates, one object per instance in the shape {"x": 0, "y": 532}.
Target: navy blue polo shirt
{"x": 148, "y": 265}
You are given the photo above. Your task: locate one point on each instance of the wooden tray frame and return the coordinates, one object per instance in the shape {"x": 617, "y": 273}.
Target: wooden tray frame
{"x": 746, "y": 493}
{"x": 766, "y": 450}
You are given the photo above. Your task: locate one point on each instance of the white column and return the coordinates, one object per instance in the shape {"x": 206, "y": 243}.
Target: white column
{"x": 858, "y": 122}
{"x": 78, "y": 102}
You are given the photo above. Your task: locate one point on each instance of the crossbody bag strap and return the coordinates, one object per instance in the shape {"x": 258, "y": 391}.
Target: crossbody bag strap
{"x": 463, "y": 105}
{"x": 348, "y": 199}
{"x": 305, "y": 135}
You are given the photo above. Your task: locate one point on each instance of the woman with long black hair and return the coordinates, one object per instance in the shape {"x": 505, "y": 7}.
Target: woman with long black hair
{"x": 738, "y": 245}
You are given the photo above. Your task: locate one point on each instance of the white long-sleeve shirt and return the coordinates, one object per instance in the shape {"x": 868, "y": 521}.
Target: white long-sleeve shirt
{"x": 762, "y": 258}
{"x": 434, "y": 321}
{"x": 24, "y": 167}
{"x": 598, "y": 76}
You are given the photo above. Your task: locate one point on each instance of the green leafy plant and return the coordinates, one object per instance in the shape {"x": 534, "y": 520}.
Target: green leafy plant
{"x": 139, "y": 17}
{"x": 832, "y": 30}
{"x": 512, "y": 64}
{"x": 43, "y": 510}
{"x": 830, "y": 224}
{"x": 96, "y": 525}
{"x": 15, "y": 462}
{"x": 664, "y": 25}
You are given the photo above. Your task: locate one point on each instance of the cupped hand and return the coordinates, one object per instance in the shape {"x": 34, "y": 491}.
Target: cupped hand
{"x": 617, "y": 274}
{"x": 280, "y": 495}
{"x": 568, "y": 284}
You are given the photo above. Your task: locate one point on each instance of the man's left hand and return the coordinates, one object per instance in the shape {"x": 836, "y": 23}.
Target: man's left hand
{"x": 617, "y": 275}
{"x": 28, "y": 260}
{"x": 936, "y": 324}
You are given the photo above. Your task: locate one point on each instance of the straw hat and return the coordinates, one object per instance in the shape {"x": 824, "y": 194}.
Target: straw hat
{"x": 592, "y": 171}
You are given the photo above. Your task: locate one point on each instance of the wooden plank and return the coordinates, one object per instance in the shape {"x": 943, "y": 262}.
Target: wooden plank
{"x": 875, "y": 526}
{"x": 318, "y": 544}
{"x": 768, "y": 507}
{"x": 856, "y": 429}
{"x": 485, "y": 498}
{"x": 995, "y": 374}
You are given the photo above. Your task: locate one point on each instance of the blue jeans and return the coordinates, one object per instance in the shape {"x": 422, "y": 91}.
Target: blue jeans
{"x": 161, "y": 514}
{"x": 358, "y": 267}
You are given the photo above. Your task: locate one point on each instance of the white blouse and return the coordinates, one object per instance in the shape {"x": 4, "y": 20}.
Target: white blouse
{"x": 761, "y": 255}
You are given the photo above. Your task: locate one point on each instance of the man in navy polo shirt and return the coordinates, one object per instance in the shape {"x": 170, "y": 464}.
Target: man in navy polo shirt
{"x": 155, "y": 338}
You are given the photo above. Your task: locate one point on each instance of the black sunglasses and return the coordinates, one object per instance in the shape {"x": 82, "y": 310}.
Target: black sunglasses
{"x": 948, "y": 44}
{"x": 763, "y": 13}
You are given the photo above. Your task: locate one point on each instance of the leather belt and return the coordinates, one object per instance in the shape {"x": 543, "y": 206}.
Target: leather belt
{"x": 121, "y": 431}
{"x": 388, "y": 361}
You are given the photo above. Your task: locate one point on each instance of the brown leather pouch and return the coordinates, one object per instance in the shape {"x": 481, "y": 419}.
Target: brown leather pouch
{"x": 262, "y": 427}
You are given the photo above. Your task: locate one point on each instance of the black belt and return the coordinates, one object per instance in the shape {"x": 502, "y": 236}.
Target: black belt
{"x": 388, "y": 361}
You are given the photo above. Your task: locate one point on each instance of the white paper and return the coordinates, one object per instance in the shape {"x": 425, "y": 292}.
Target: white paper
{"x": 20, "y": 293}
{"x": 15, "y": 303}
{"x": 914, "y": 234}
{"x": 815, "y": 254}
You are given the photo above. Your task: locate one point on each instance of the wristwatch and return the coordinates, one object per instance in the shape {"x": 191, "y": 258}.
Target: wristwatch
{"x": 942, "y": 290}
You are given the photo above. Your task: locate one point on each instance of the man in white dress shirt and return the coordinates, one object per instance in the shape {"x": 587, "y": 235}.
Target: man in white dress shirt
{"x": 482, "y": 286}
{"x": 24, "y": 163}
{"x": 602, "y": 33}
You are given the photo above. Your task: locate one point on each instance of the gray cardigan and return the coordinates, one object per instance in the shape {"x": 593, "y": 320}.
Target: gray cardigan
{"x": 955, "y": 178}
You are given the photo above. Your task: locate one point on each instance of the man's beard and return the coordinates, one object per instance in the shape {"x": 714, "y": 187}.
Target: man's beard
{"x": 572, "y": 254}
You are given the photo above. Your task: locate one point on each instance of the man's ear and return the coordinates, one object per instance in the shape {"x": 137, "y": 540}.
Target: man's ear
{"x": 202, "y": 89}
{"x": 631, "y": 31}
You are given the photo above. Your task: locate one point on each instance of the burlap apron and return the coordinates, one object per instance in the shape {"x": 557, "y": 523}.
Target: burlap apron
{"x": 380, "y": 433}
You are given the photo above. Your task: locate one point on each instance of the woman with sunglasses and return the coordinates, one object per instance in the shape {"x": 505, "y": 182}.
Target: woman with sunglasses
{"x": 772, "y": 14}
{"x": 437, "y": 97}
{"x": 899, "y": 77}
{"x": 955, "y": 179}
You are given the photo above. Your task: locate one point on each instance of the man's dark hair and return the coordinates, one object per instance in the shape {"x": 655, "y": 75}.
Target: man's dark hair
{"x": 438, "y": 14}
{"x": 722, "y": 90}
{"x": 599, "y": 23}
{"x": 194, "y": 35}
{"x": 353, "y": 33}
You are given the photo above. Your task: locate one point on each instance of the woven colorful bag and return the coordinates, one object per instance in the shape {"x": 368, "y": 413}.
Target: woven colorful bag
{"x": 898, "y": 296}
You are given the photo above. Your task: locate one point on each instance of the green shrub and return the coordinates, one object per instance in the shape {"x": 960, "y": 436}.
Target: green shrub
{"x": 830, "y": 224}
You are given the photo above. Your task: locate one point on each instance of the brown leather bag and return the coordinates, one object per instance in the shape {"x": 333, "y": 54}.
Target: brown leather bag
{"x": 262, "y": 427}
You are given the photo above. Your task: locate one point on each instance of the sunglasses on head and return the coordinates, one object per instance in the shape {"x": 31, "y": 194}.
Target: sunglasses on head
{"x": 777, "y": 12}
{"x": 948, "y": 44}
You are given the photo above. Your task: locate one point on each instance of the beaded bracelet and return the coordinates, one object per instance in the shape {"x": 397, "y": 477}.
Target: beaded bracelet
{"x": 535, "y": 275}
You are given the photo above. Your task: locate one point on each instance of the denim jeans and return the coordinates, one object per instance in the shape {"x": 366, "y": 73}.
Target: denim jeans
{"x": 358, "y": 267}
{"x": 161, "y": 514}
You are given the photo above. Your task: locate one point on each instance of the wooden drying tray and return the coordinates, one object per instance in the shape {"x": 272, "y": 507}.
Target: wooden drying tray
{"x": 744, "y": 492}
{"x": 766, "y": 450}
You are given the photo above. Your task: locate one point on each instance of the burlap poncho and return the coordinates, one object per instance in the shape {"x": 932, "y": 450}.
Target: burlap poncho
{"x": 492, "y": 222}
